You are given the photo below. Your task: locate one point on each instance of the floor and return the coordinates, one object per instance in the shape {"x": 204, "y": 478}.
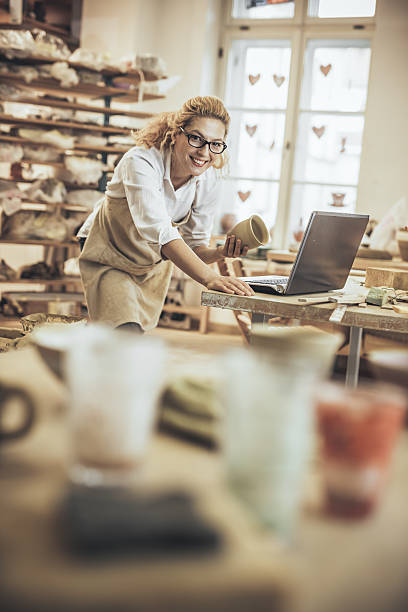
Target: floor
{"x": 212, "y": 342}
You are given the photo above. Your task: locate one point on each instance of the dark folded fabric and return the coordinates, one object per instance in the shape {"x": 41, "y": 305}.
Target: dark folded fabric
{"x": 111, "y": 520}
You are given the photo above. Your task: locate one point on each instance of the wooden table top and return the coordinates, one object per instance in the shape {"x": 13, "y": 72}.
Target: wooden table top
{"x": 370, "y": 317}
{"x": 330, "y": 566}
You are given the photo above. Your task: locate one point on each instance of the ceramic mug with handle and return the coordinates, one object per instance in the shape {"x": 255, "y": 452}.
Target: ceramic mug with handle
{"x": 17, "y": 412}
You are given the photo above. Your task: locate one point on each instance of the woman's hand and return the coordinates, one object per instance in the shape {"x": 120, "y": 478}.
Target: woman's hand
{"x": 229, "y": 284}
{"x": 233, "y": 247}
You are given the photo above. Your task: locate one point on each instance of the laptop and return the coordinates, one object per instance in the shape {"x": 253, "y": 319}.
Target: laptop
{"x": 324, "y": 259}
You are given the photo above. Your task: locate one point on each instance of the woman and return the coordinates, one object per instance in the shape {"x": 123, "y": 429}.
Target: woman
{"x": 165, "y": 185}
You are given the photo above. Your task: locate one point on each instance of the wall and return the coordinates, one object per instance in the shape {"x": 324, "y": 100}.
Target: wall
{"x": 383, "y": 172}
{"x": 184, "y": 33}
{"x": 123, "y": 27}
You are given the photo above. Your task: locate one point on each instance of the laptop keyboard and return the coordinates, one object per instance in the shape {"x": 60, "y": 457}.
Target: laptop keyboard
{"x": 276, "y": 280}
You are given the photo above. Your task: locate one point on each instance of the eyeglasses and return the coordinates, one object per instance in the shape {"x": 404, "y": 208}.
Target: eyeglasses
{"x": 216, "y": 146}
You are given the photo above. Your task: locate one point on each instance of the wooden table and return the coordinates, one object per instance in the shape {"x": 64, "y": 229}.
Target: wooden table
{"x": 330, "y": 566}
{"x": 263, "y": 306}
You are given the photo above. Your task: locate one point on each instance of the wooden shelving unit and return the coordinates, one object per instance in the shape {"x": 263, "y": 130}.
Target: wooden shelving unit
{"x": 56, "y": 98}
{"x": 114, "y": 87}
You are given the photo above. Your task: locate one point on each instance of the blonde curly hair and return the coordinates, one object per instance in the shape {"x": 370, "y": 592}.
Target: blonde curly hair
{"x": 162, "y": 130}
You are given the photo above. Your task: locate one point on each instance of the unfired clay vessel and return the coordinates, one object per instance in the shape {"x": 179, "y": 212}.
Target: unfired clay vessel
{"x": 252, "y": 231}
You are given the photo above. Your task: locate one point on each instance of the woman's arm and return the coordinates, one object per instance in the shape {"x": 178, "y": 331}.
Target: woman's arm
{"x": 231, "y": 248}
{"x": 184, "y": 258}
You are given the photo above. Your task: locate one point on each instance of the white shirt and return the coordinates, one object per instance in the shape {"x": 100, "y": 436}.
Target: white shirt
{"x": 143, "y": 177}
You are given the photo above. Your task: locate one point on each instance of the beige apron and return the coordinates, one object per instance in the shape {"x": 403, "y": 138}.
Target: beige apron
{"x": 124, "y": 276}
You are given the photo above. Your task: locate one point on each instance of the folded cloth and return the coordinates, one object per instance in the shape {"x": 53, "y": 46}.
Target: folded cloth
{"x": 102, "y": 521}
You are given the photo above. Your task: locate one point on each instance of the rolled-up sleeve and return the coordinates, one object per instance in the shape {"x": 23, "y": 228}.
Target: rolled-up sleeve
{"x": 143, "y": 185}
{"x": 197, "y": 231}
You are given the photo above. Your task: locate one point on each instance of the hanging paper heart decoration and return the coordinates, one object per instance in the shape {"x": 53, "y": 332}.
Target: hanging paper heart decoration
{"x": 278, "y": 80}
{"x": 251, "y": 129}
{"x": 319, "y": 131}
{"x": 254, "y": 78}
{"x": 337, "y": 199}
{"x": 272, "y": 145}
{"x": 326, "y": 69}
{"x": 343, "y": 143}
{"x": 244, "y": 195}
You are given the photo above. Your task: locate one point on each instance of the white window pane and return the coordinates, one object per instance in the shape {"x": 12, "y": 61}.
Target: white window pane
{"x": 259, "y": 10}
{"x": 244, "y": 198}
{"x": 307, "y": 198}
{"x": 341, "y": 8}
{"x": 258, "y": 74}
{"x": 328, "y": 148}
{"x": 336, "y": 75}
{"x": 258, "y": 144}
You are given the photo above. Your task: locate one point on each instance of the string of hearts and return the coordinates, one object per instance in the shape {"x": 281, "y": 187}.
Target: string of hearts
{"x": 278, "y": 79}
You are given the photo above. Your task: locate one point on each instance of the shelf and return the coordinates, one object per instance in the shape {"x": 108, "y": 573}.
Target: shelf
{"x": 130, "y": 76}
{"x": 83, "y": 89}
{"x": 54, "y": 103}
{"x": 74, "y": 125}
{"x": 41, "y": 281}
{"x": 55, "y": 243}
{"x": 53, "y": 164}
{"x": 27, "y": 204}
{"x": 76, "y": 148}
{"x": 28, "y": 24}
{"x": 40, "y": 296}
{"x": 70, "y": 186}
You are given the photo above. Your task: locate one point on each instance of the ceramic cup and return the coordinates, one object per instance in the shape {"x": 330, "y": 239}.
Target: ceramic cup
{"x": 114, "y": 381}
{"x": 16, "y": 412}
{"x": 358, "y": 429}
{"x": 252, "y": 231}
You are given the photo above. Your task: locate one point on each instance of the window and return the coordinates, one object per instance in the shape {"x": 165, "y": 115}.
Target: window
{"x": 330, "y": 126}
{"x": 297, "y": 105}
{"x": 262, "y": 9}
{"x": 341, "y": 8}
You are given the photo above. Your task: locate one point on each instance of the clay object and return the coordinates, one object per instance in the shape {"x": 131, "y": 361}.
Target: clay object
{"x": 252, "y": 231}
{"x": 227, "y": 222}
{"x": 299, "y": 231}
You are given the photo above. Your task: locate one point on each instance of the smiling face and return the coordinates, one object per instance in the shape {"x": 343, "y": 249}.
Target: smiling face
{"x": 188, "y": 161}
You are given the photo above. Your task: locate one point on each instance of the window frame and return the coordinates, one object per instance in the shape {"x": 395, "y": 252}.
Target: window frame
{"x": 299, "y": 30}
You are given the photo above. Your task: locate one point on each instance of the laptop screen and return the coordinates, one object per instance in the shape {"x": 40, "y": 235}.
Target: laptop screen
{"x": 327, "y": 252}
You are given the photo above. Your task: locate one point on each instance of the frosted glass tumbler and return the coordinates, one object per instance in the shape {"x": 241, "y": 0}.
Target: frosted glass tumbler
{"x": 269, "y": 428}
{"x": 268, "y": 435}
{"x": 114, "y": 380}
